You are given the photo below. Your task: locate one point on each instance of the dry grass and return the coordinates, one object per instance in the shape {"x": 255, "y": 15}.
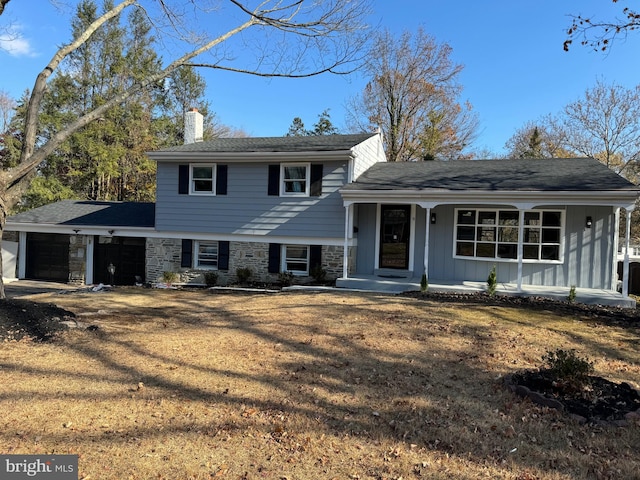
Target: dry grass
{"x": 194, "y": 385}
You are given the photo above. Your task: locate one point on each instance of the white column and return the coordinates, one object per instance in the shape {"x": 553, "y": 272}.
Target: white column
{"x": 426, "y": 242}
{"x": 88, "y": 279}
{"x": 520, "y": 247}
{"x": 625, "y": 269}
{"x": 22, "y": 255}
{"x": 616, "y": 243}
{"x": 345, "y": 253}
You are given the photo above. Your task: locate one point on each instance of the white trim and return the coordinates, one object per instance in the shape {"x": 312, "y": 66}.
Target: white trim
{"x": 251, "y": 157}
{"x": 625, "y": 265}
{"x": 616, "y": 244}
{"x": 516, "y": 199}
{"x": 283, "y": 260}
{"x": 345, "y": 246}
{"x": 22, "y": 254}
{"x": 307, "y": 179}
{"x": 214, "y": 173}
{"x": 427, "y": 234}
{"x": 195, "y": 255}
{"x": 412, "y": 233}
{"x": 519, "y": 245}
{"x": 88, "y": 278}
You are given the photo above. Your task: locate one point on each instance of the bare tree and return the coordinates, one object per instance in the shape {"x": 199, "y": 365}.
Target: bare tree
{"x": 541, "y": 139}
{"x": 412, "y": 97}
{"x": 290, "y": 38}
{"x": 7, "y": 107}
{"x": 605, "y": 124}
{"x": 601, "y": 34}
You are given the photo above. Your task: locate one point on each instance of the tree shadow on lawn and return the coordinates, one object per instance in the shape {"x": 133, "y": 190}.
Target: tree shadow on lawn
{"x": 423, "y": 381}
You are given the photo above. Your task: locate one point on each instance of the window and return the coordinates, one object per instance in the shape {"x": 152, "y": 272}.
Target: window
{"x": 206, "y": 255}
{"x": 295, "y": 180}
{"x": 493, "y": 234}
{"x": 295, "y": 259}
{"x": 202, "y": 180}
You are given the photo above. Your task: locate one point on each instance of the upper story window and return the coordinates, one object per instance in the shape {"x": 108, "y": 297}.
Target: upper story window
{"x": 493, "y": 234}
{"x": 202, "y": 179}
{"x": 295, "y": 179}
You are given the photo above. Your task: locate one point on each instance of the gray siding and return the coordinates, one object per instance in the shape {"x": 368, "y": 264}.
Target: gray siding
{"x": 588, "y": 253}
{"x": 247, "y": 209}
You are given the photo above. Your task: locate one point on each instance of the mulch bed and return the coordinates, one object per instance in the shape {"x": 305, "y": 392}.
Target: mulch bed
{"x": 23, "y": 319}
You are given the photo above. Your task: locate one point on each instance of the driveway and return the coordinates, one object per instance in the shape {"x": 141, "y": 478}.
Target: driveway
{"x": 22, "y": 288}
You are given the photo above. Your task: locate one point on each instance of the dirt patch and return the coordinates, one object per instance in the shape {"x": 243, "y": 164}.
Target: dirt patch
{"x": 20, "y": 319}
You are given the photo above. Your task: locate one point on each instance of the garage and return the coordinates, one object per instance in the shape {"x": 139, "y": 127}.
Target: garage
{"x": 47, "y": 257}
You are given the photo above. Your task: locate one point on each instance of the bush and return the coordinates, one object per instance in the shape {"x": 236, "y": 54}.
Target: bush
{"x": 492, "y": 282}
{"x": 285, "y": 279}
{"x": 210, "y": 278}
{"x": 572, "y": 294}
{"x": 243, "y": 274}
{"x": 170, "y": 277}
{"x": 568, "y": 368}
{"x": 424, "y": 283}
{"x": 318, "y": 273}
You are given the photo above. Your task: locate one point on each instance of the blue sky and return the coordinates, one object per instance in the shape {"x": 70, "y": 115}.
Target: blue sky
{"x": 515, "y": 69}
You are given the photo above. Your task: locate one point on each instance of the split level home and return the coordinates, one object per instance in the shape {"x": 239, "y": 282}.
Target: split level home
{"x": 332, "y": 204}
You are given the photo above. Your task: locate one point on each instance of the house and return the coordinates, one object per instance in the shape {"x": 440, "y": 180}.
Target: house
{"x": 333, "y": 204}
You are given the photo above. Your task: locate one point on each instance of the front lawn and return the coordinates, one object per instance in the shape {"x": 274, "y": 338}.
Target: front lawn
{"x": 194, "y": 385}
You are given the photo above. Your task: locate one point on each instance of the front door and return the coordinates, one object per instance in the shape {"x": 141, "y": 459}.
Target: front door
{"x": 395, "y": 225}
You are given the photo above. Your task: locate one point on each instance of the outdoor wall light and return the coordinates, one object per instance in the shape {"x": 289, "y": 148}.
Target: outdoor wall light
{"x": 433, "y": 217}
{"x": 589, "y": 222}
{"x": 111, "y": 232}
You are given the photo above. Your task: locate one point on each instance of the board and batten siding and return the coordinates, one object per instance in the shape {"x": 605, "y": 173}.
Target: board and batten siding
{"x": 587, "y": 260}
{"x": 247, "y": 209}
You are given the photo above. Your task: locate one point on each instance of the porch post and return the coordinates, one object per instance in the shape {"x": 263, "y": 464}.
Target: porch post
{"x": 520, "y": 247}
{"x": 625, "y": 269}
{"x": 345, "y": 252}
{"x": 426, "y": 242}
{"x": 616, "y": 245}
{"x": 22, "y": 255}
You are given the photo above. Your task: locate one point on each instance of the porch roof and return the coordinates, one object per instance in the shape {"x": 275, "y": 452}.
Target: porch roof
{"x": 549, "y": 174}
{"x": 533, "y": 181}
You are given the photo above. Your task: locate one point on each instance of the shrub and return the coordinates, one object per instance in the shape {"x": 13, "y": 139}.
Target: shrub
{"x": 170, "y": 277}
{"x": 424, "y": 283}
{"x": 492, "y": 282}
{"x": 243, "y": 274}
{"x": 210, "y": 278}
{"x": 572, "y": 294}
{"x": 285, "y": 279}
{"x": 566, "y": 367}
{"x": 318, "y": 273}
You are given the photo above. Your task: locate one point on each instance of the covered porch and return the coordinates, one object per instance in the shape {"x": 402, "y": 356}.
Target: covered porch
{"x": 589, "y": 296}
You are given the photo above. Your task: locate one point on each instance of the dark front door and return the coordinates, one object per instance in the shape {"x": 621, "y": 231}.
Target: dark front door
{"x": 127, "y": 254}
{"x": 395, "y": 224}
{"x": 47, "y": 257}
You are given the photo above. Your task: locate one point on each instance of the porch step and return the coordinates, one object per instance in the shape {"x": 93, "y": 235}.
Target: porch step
{"x": 392, "y": 273}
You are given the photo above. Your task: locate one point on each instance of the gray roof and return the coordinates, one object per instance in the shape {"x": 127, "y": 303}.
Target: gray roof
{"x": 553, "y": 174}
{"x": 90, "y": 213}
{"x": 316, "y": 143}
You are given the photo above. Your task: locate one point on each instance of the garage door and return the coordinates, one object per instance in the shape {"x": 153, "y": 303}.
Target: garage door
{"x": 126, "y": 254}
{"x": 47, "y": 257}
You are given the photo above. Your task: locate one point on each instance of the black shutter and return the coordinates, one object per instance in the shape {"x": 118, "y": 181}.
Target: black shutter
{"x": 274, "y": 180}
{"x": 223, "y": 255}
{"x": 315, "y": 256}
{"x": 183, "y": 179}
{"x": 221, "y": 180}
{"x": 187, "y": 253}
{"x": 274, "y": 258}
{"x": 316, "y": 180}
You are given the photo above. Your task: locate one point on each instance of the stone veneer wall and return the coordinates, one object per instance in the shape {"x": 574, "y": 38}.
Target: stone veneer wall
{"x": 77, "y": 258}
{"x": 164, "y": 255}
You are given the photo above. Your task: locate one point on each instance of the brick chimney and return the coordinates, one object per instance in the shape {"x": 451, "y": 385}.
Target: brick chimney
{"x": 193, "y": 121}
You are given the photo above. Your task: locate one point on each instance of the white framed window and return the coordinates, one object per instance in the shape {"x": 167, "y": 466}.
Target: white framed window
{"x": 488, "y": 234}
{"x": 202, "y": 179}
{"x": 206, "y": 255}
{"x": 295, "y": 259}
{"x": 295, "y": 179}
